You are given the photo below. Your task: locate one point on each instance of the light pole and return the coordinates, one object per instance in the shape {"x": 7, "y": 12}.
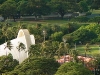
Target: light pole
{"x": 44, "y": 33}
{"x": 64, "y": 40}
{"x": 75, "y": 45}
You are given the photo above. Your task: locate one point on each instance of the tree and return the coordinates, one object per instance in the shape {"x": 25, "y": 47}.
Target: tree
{"x": 14, "y": 31}
{"x": 64, "y": 48}
{"x": 38, "y": 7}
{"x": 4, "y": 32}
{"x": 36, "y": 66}
{"x": 20, "y": 48}
{"x": 8, "y": 34}
{"x": 95, "y": 4}
{"x": 34, "y": 50}
{"x": 96, "y": 64}
{"x": 8, "y": 45}
{"x": 68, "y": 38}
{"x": 61, "y": 7}
{"x": 7, "y": 63}
{"x": 46, "y": 49}
{"x": 83, "y": 34}
{"x": 73, "y": 69}
{"x": 55, "y": 47}
{"x": 49, "y": 49}
{"x": 22, "y": 7}
{"x": 57, "y": 36}
{"x": 8, "y": 9}
{"x": 1, "y": 1}
{"x": 55, "y": 28}
{"x": 83, "y": 6}
{"x": 87, "y": 48}
{"x": 74, "y": 54}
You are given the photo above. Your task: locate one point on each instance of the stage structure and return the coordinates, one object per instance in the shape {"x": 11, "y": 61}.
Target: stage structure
{"x": 22, "y": 37}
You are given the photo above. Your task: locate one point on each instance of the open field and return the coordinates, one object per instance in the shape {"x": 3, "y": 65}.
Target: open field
{"x": 53, "y": 22}
{"x": 94, "y": 49}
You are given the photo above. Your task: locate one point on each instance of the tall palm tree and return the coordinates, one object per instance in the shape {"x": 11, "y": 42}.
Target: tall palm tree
{"x": 20, "y": 48}
{"x": 87, "y": 48}
{"x": 61, "y": 50}
{"x": 48, "y": 49}
{"x": 64, "y": 48}
{"x": 74, "y": 54}
{"x": 45, "y": 47}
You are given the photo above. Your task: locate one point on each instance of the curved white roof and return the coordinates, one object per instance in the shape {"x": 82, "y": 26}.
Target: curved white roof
{"x": 22, "y": 37}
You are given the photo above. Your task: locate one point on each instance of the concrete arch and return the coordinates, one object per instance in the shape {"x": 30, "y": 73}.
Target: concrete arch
{"x": 26, "y": 37}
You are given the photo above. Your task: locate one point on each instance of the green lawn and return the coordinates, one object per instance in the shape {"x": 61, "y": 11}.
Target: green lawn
{"x": 95, "y": 11}
{"x": 93, "y": 51}
{"x": 47, "y": 22}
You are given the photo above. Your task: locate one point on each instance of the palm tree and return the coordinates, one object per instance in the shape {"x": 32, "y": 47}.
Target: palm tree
{"x": 34, "y": 50}
{"x": 14, "y": 31}
{"x": 4, "y": 32}
{"x": 87, "y": 48}
{"x": 64, "y": 48}
{"x": 74, "y": 54}
{"x": 61, "y": 50}
{"x": 20, "y": 48}
{"x": 1, "y": 34}
{"x": 8, "y": 45}
{"x": 9, "y": 34}
{"x": 45, "y": 48}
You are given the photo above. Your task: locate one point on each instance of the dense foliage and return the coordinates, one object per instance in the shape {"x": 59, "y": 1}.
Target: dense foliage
{"x": 7, "y": 63}
{"x": 39, "y": 8}
{"x": 52, "y": 40}
{"x": 73, "y": 69}
{"x": 58, "y": 41}
{"x": 36, "y": 66}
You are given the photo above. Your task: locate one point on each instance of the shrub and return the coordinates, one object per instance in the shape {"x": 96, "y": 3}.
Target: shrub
{"x": 95, "y": 19}
{"x": 88, "y": 13}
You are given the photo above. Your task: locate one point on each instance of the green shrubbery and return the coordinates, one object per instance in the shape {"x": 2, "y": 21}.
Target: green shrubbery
{"x": 7, "y": 63}
{"x": 95, "y": 19}
{"x": 36, "y": 66}
{"x": 73, "y": 69}
{"x": 88, "y": 13}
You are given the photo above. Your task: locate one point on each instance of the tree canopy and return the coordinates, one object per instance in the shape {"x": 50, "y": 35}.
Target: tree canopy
{"x": 42, "y": 7}
{"x": 36, "y": 66}
{"x": 7, "y": 63}
{"x": 72, "y": 69}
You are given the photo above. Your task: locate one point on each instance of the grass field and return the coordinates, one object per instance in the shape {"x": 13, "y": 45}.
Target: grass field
{"x": 95, "y": 11}
{"x": 94, "y": 50}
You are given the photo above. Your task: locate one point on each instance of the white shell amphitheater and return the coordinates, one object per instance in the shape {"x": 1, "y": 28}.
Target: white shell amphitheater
{"x": 22, "y": 37}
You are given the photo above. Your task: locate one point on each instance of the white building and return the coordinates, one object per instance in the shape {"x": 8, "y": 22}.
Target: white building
{"x": 22, "y": 37}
